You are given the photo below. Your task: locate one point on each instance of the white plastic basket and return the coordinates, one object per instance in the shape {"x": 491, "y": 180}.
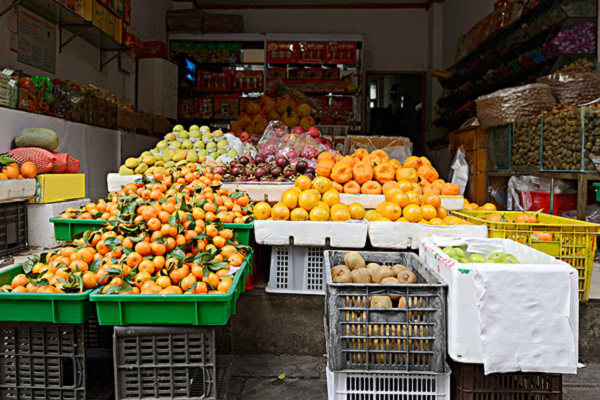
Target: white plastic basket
{"x": 297, "y": 270}
{"x": 388, "y": 386}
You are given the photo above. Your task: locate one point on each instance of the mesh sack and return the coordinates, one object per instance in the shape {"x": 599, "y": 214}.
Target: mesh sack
{"x": 43, "y": 159}
{"x": 60, "y": 165}
{"x": 73, "y": 166}
{"x": 572, "y": 86}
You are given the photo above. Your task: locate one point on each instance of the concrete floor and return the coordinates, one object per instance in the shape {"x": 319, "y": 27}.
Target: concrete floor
{"x": 258, "y": 378}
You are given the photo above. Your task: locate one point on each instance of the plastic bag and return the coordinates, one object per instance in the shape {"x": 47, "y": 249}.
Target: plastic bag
{"x": 513, "y": 104}
{"x": 498, "y": 192}
{"x": 573, "y": 87}
{"x": 459, "y": 170}
{"x": 399, "y": 148}
{"x": 528, "y": 184}
{"x": 272, "y": 138}
{"x": 592, "y": 214}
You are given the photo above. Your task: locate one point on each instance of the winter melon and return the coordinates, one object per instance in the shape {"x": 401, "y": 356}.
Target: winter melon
{"x": 37, "y": 137}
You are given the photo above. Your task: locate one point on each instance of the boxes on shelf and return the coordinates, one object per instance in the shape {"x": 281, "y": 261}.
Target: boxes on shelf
{"x": 390, "y": 385}
{"x": 153, "y": 49}
{"x": 99, "y": 12}
{"x": 312, "y": 52}
{"x": 52, "y": 188}
{"x": 282, "y": 52}
{"x": 215, "y": 81}
{"x": 470, "y": 382}
{"x": 467, "y": 314}
{"x": 363, "y": 338}
{"x": 41, "y": 232}
{"x": 244, "y": 81}
{"x": 571, "y": 241}
{"x": 226, "y": 106}
{"x": 13, "y": 228}
{"x": 113, "y": 26}
{"x": 253, "y": 56}
{"x": 341, "y": 53}
{"x": 83, "y": 8}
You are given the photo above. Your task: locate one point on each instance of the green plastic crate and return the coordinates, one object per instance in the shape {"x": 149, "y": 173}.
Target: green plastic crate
{"x": 195, "y": 309}
{"x": 597, "y": 186}
{"x": 64, "y": 229}
{"x": 59, "y": 308}
{"x": 243, "y": 232}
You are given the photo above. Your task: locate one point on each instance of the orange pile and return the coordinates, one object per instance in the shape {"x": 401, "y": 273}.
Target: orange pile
{"x": 9, "y": 169}
{"x": 374, "y": 173}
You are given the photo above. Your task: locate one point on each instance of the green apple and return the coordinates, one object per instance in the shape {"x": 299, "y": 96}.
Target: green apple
{"x": 176, "y": 144}
{"x": 476, "y": 258}
{"x": 177, "y": 128}
{"x": 221, "y": 151}
{"x": 451, "y": 251}
{"x": 462, "y": 260}
{"x": 186, "y": 144}
{"x": 182, "y": 135}
{"x": 162, "y": 144}
{"x": 232, "y": 153}
{"x": 195, "y": 134}
{"x": 460, "y": 252}
{"x": 510, "y": 259}
{"x": 194, "y": 128}
{"x": 207, "y": 136}
{"x": 205, "y": 128}
{"x": 497, "y": 258}
{"x": 202, "y": 152}
{"x": 198, "y": 145}
{"x": 211, "y": 146}
{"x": 222, "y": 143}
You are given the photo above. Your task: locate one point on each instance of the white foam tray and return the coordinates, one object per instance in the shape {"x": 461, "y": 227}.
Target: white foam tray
{"x": 406, "y": 235}
{"x": 259, "y": 191}
{"x": 464, "y": 339}
{"x": 371, "y": 201}
{"x": 116, "y": 182}
{"x": 351, "y": 234}
{"x": 41, "y": 230}
{"x": 16, "y": 190}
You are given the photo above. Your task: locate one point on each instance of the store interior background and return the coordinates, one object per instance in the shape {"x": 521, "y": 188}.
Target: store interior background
{"x": 396, "y": 39}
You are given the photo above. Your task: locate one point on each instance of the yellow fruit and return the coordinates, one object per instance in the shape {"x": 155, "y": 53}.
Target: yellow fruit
{"x": 331, "y": 197}
{"x": 319, "y": 214}
{"x": 412, "y": 213}
{"x": 340, "y": 214}
{"x": 280, "y": 212}
{"x": 308, "y": 200}
{"x": 357, "y": 211}
{"x": 299, "y": 214}
{"x": 323, "y": 204}
{"x": 371, "y": 214}
{"x": 413, "y": 197}
{"x": 322, "y": 184}
{"x": 290, "y": 199}
{"x": 402, "y": 219}
{"x": 303, "y": 182}
{"x": 429, "y": 212}
{"x": 381, "y": 219}
{"x": 391, "y": 192}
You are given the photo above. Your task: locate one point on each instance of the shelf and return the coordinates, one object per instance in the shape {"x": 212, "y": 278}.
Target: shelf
{"x": 589, "y": 175}
{"x": 71, "y": 22}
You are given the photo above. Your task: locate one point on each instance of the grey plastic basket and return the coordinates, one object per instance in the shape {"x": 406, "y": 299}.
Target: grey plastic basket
{"x": 297, "y": 270}
{"x": 411, "y": 339}
{"x": 165, "y": 363}
{"x": 42, "y": 361}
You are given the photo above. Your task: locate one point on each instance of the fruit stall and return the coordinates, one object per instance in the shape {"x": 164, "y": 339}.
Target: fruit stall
{"x": 256, "y": 206}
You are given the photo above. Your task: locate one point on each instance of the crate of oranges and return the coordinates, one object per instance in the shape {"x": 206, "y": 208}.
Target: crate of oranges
{"x": 389, "y": 223}
{"x": 311, "y": 214}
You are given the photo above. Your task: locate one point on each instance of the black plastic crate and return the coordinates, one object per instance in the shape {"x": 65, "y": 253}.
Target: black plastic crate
{"x": 165, "y": 363}
{"x": 42, "y": 361}
{"x": 468, "y": 382}
{"x": 407, "y": 339}
{"x": 98, "y": 336}
{"x": 13, "y": 228}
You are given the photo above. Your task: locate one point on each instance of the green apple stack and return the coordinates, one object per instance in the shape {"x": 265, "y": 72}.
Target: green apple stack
{"x": 459, "y": 254}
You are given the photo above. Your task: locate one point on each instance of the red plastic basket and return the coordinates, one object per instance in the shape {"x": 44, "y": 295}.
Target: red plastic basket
{"x": 541, "y": 201}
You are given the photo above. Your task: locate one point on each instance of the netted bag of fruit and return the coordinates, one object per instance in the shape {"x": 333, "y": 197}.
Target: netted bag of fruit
{"x": 60, "y": 165}
{"x": 43, "y": 159}
{"x": 73, "y": 166}
{"x": 310, "y": 148}
{"x": 273, "y": 137}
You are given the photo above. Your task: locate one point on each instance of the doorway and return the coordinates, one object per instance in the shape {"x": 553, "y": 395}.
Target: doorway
{"x": 394, "y": 103}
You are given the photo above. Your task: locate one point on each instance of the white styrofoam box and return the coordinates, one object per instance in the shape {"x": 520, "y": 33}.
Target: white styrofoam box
{"x": 297, "y": 270}
{"x": 16, "y": 190}
{"x": 464, "y": 325}
{"x": 116, "y": 182}
{"x": 41, "y": 230}
{"x": 450, "y": 203}
{"x": 388, "y": 386}
{"x": 158, "y": 93}
{"x": 406, "y": 235}
{"x": 350, "y": 234}
{"x": 260, "y": 191}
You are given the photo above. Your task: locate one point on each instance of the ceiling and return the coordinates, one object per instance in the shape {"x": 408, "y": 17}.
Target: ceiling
{"x": 308, "y": 4}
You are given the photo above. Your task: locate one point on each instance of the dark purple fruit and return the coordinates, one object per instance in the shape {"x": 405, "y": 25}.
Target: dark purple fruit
{"x": 219, "y": 170}
{"x": 275, "y": 172}
{"x": 248, "y": 171}
{"x": 289, "y": 171}
{"x": 301, "y": 165}
{"x": 260, "y": 172}
{"x": 309, "y": 170}
{"x": 281, "y": 162}
{"x": 244, "y": 160}
{"x": 259, "y": 160}
{"x": 235, "y": 171}
{"x": 311, "y": 176}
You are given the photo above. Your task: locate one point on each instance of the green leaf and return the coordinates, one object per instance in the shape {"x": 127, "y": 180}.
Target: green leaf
{"x": 113, "y": 289}
{"x": 178, "y": 254}
{"x": 237, "y": 194}
{"x": 112, "y": 243}
{"x": 127, "y": 251}
{"x": 95, "y": 265}
{"x": 200, "y": 203}
{"x": 28, "y": 266}
{"x": 281, "y": 377}
{"x": 172, "y": 220}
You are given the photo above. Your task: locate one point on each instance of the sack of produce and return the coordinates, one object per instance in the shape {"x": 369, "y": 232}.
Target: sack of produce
{"x": 73, "y": 166}
{"x": 513, "y": 104}
{"x": 43, "y": 159}
{"x": 573, "y": 87}
{"x": 60, "y": 165}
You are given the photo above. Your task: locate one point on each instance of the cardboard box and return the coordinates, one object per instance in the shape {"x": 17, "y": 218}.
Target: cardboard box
{"x": 83, "y": 8}
{"x": 113, "y": 26}
{"x": 52, "y": 188}
{"x": 98, "y": 15}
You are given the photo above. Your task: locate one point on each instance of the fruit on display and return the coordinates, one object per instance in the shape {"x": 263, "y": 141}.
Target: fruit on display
{"x": 257, "y": 114}
{"x": 9, "y": 169}
{"x": 310, "y": 201}
{"x": 459, "y": 254}
{"x": 249, "y": 169}
{"x": 374, "y": 173}
{"x": 180, "y": 147}
{"x": 37, "y": 137}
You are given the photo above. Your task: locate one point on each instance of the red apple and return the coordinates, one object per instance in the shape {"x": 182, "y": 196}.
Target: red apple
{"x": 298, "y": 130}
{"x": 244, "y": 135}
{"x": 314, "y": 131}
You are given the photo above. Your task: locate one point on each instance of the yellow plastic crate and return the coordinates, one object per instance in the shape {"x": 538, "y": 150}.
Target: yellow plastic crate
{"x": 573, "y": 242}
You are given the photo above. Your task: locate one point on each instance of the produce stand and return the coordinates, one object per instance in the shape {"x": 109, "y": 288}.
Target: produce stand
{"x": 450, "y": 203}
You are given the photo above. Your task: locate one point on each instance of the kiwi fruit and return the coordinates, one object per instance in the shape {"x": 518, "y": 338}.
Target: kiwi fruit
{"x": 380, "y": 302}
{"x": 361, "y": 275}
{"x": 381, "y": 273}
{"x": 341, "y": 274}
{"x": 407, "y": 277}
{"x": 399, "y": 268}
{"x": 353, "y": 260}
{"x": 390, "y": 281}
{"x": 402, "y": 302}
